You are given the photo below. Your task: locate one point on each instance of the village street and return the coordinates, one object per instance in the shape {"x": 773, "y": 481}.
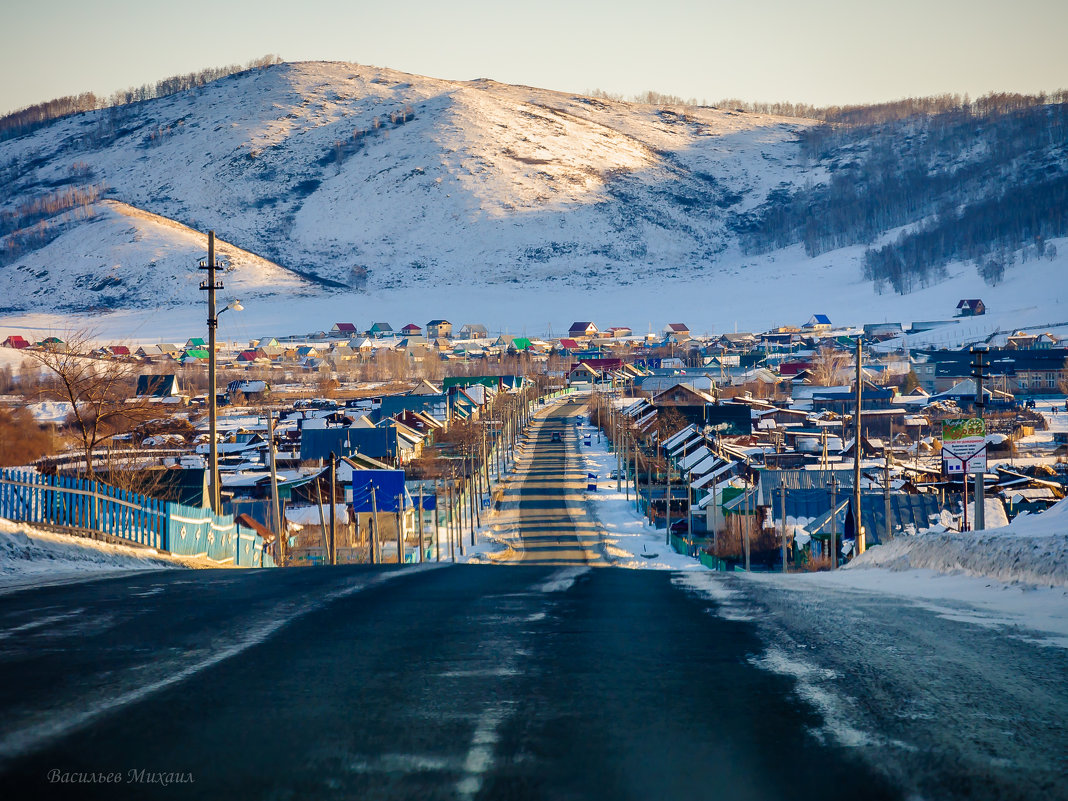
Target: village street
{"x": 542, "y": 518}
{"x": 545, "y": 680}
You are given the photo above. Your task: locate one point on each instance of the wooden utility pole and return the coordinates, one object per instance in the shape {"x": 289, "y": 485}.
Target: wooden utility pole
{"x": 400, "y": 529}
{"x": 437, "y": 530}
{"x": 649, "y": 487}
{"x": 276, "y": 513}
{"x": 333, "y": 508}
{"x": 782, "y": 511}
{"x": 834, "y": 521}
{"x": 420, "y": 522}
{"x": 667, "y": 499}
{"x": 886, "y": 492}
{"x": 213, "y": 323}
{"x": 476, "y": 499}
{"x": 747, "y": 509}
{"x": 858, "y": 529}
{"x": 616, "y": 444}
{"x": 374, "y": 524}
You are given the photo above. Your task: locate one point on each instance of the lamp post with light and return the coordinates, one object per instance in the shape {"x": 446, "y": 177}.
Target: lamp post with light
{"x": 209, "y": 286}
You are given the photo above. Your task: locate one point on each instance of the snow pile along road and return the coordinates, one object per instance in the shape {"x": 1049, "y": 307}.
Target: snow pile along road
{"x": 1033, "y": 549}
{"x": 30, "y": 557}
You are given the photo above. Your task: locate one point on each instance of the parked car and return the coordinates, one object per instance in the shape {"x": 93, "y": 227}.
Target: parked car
{"x": 556, "y": 437}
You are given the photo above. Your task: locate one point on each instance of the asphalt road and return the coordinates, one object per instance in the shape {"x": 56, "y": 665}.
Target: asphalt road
{"x": 549, "y": 679}
{"x": 440, "y": 683}
{"x": 542, "y": 518}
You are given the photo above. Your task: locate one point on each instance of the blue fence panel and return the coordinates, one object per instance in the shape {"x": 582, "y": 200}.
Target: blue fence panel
{"x": 79, "y": 503}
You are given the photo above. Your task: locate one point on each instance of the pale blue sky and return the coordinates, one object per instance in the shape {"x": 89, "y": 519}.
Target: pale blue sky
{"x": 814, "y": 51}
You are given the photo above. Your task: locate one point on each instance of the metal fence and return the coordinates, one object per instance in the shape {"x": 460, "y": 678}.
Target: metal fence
{"x": 95, "y": 506}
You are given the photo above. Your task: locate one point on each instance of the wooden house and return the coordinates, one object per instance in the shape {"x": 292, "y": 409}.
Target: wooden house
{"x": 439, "y": 328}
{"x": 970, "y": 307}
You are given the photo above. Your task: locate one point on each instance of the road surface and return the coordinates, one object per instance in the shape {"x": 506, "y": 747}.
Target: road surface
{"x": 542, "y": 519}
{"x": 553, "y": 678}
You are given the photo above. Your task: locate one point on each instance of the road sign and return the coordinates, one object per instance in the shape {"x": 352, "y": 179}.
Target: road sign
{"x": 964, "y": 445}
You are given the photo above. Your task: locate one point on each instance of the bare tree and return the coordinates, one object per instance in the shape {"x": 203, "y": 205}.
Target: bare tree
{"x": 101, "y": 392}
{"x": 828, "y": 366}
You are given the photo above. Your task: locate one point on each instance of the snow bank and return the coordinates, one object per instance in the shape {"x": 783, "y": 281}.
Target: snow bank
{"x": 631, "y": 541}
{"x": 31, "y": 557}
{"x": 1033, "y": 549}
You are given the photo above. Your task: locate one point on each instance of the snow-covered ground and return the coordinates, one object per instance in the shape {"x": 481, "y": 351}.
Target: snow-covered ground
{"x": 31, "y": 557}
{"x": 1032, "y": 550}
{"x": 739, "y": 294}
{"x": 632, "y": 541}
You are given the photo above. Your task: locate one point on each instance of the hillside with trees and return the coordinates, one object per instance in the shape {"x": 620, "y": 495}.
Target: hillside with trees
{"x": 983, "y": 181}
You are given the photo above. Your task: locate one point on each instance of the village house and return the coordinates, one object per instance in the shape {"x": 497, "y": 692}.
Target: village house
{"x": 581, "y": 329}
{"x": 818, "y": 322}
{"x": 16, "y": 342}
{"x": 378, "y": 330}
{"x": 439, "y": 328}
{"x": 343, "y": 330}
{"x": 412, "y": 330}
{"x": 970, "y": 307}
{"x": 473, "y": 331}
{"x": 676, "y": 332}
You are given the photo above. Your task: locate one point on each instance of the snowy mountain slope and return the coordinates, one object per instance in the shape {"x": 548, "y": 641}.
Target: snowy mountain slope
{"x": 415, "y": 197}
{"x": 473, "y": 181}
{"x": 122, "y": 256}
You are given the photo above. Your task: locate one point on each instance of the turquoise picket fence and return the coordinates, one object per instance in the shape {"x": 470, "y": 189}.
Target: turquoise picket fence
{"x": 95, "y": 506}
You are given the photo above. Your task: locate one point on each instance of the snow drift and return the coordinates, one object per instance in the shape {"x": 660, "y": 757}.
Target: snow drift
{"x": 30, "y": 557}
{"x": 1033, "y": 549}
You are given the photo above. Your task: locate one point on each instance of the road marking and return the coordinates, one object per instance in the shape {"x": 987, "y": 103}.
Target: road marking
{"x": 480, "y": 754}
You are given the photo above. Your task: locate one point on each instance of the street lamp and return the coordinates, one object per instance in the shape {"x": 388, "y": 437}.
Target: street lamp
{"x": 209, "y": 286}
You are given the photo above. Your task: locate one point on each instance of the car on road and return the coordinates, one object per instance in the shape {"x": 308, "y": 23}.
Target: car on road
{"x": 556, "y": 437}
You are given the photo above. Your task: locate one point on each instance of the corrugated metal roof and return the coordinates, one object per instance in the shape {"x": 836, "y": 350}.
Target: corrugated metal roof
{"x": 771, "y": 479}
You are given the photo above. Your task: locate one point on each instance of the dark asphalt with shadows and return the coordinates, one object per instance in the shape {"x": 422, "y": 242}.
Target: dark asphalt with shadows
{"x": 444, "y": 683}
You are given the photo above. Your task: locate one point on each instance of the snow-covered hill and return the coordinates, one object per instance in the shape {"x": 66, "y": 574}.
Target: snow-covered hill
{"x": 381, "y": 190}
{"x": 123, "y": 256}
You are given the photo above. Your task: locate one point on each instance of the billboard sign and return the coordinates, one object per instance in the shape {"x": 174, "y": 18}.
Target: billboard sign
{"x": 964, "y": 445}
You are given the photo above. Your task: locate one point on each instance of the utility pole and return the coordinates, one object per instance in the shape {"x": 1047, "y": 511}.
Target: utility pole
{"x": 858, "y": 529}
{"x": 886, "y": 492}
{"x": 275, "y": 511}
{"x": 448, "y": 519}
{"x": 374, "y": 523}
{"x": 978, "y": 371}
{"x": 616, "y": 443}
{"x": 834, "y": 521}
{"x": 476, "y": 486}
{"x": 460, "y": 516}
{"x": 437, "y": 529}
{"x": 420, "y": 522}
{"x": 333, "y": 508}
{"x": 400, "y": 529}
{"x": 210, "y": 286}
{"x": 782, "y": 510}
{"x": 667, "y": 500}
{"x": 649, "y": 463}
{"x": 748, "y": 499}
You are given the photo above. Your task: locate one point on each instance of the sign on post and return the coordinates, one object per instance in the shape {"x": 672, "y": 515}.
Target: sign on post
{"x": 591, "y": 482}
{"x": 964, "y": 445}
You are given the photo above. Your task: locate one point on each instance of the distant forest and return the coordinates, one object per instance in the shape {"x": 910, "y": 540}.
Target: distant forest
{"x": 985, "y": 181}
{"x": 31, "y": 118}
